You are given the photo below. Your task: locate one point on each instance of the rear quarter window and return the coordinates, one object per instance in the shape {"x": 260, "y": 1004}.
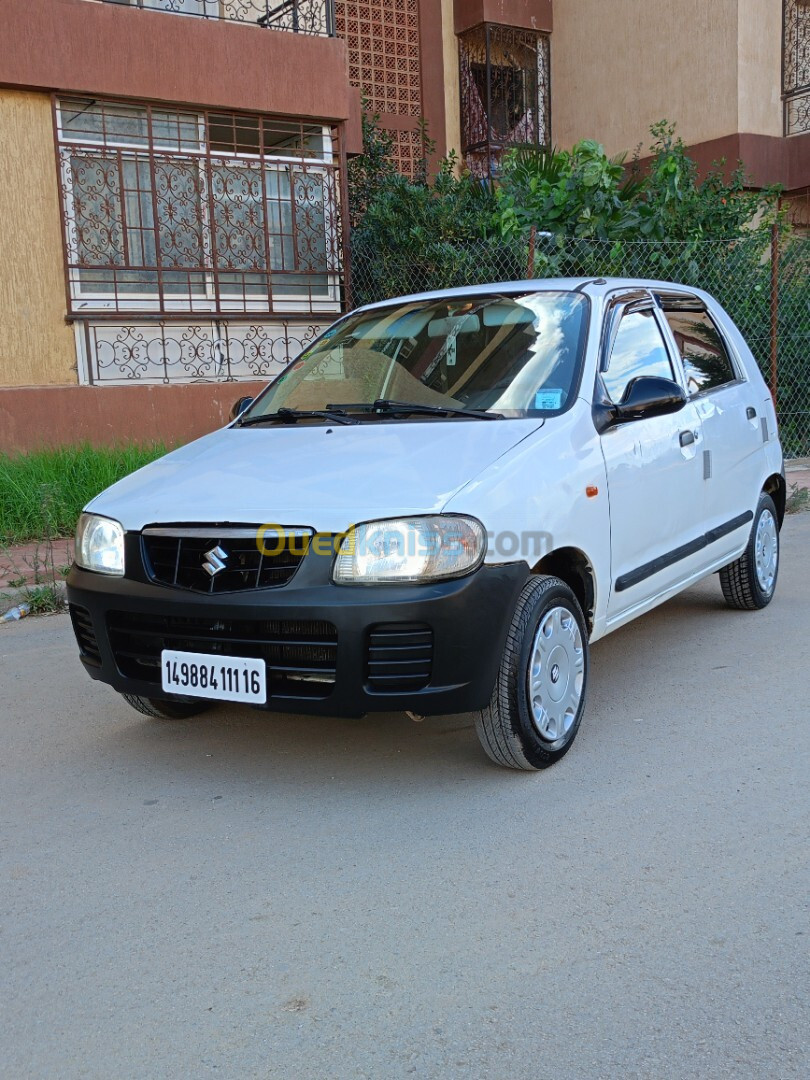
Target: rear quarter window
{"x": 705, "y": 356}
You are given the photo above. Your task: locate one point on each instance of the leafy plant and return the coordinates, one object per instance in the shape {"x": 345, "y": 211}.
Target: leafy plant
{"x": 585, "y": 193}
{"x": 798, "y": 499}
{"x": 408, "y": 232}
{"x": 370, "y": 171}
{"x": 675, "y": 205}
{"x": 44, "y": 599}
{"x": 581, "y": 193}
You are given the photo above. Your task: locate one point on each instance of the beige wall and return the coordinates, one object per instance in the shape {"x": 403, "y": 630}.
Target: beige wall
{"x": 36, "y": 344}
{"x": 617, "y": 67}
{"x": 452, "y": 93}
{"x": 760, "y": 64}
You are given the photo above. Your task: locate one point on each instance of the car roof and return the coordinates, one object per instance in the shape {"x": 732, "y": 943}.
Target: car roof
{"x": 590, "y": 285}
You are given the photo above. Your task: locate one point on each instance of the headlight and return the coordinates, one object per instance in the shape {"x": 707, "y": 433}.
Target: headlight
{"x": 100, "y": 545}
{"x": 410, "y": 549}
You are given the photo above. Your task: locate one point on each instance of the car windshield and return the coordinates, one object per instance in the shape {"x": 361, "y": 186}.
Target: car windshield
{"x": 515, "y": 356}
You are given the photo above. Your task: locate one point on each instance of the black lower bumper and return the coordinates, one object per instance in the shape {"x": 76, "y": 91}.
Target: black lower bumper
{"x": 333, "y": 650}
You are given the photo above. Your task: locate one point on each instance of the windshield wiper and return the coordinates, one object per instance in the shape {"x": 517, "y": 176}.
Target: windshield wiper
{"x": 290, "y": 416}
{"x": 386, "y": 405}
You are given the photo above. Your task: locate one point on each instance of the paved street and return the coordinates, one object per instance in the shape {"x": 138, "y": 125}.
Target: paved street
{"x": 247, "y": 895}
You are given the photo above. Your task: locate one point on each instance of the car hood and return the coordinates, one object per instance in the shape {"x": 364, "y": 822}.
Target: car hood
{"x": 327, "y": 478}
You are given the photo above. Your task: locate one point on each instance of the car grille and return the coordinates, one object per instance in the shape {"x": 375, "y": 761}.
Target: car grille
{"x": 178, "y": 557}
{"x": 85, "y": 634}
{"x": 300, "y": 654}
{"x": 400, "y": 657}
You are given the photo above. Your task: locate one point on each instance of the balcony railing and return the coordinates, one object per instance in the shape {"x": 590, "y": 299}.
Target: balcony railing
{"x": 796, "y": 66}
{"x": 296, "y": 16}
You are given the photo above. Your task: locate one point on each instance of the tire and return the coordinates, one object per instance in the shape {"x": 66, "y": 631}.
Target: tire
{"x": 166, "y": 710}
{"x": 749, "y": 582}
{"x": 547, "y": 642}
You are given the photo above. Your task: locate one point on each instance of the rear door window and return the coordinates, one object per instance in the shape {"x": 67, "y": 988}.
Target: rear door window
{"x": 705, "y": 356}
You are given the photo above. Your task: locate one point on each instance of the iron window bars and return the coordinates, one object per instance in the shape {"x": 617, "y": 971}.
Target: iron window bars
{"x": 297, "y": 16}
{"x": 796, "y": 66}
{"x": 194, "y": 350}
{"x": 505, "y": 93}
{"x": 168, "y": 210}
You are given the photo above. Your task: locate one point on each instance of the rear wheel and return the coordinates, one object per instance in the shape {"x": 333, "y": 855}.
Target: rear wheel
{"x": 750, "y": 581}
{"x": 166, "y": 710}
{"x": 536, "y": 707}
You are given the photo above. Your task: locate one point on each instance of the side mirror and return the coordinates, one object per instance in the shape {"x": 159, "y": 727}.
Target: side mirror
{"x": 649, "y": 395}
{"x": 239, "y": 406}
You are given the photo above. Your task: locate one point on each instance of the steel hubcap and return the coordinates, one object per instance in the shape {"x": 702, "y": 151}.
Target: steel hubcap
{"x": 766, "y": 551}
{"x": 556, "y": 674}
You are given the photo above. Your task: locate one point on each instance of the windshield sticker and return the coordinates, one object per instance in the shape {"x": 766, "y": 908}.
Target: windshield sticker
{"x": 548, "y": 399}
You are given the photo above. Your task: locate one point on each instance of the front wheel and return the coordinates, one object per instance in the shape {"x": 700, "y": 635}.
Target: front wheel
{"x": 750, "y": 581}
{"x": 536, "y": 707}
{"x": 162, "y": 709}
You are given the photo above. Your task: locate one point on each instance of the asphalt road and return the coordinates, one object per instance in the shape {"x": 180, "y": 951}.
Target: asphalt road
{"x": 246, "y": 895}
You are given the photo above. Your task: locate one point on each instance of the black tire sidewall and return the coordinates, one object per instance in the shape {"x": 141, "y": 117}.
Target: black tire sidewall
{"x": 537, "y": 752}
{"x": 178, "y": 710}
{"x": 167, "y": 708}
{"x": 763, "y": 598}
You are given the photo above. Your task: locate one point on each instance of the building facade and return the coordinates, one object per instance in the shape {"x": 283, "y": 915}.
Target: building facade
{"x": 172, "y": 191}
{"x": 173, "y": 174}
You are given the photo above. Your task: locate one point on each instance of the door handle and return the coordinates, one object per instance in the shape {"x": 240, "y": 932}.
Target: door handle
{"x": 687, "y": 438}
{"x": 750, "y": 412}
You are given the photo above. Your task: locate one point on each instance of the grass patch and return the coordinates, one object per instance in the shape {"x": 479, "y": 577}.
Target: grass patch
{"x": 42, "y": 493}
{"x": 35, "y": 578}
{"x": 42, "y": 599}
{"x": 798, "y": 499}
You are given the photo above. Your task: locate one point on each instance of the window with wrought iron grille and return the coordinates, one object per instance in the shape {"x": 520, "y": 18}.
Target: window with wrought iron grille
{"x": 796, "y": 66}
{"x": 298, "y": 16}
{"x": 505, "y": 93}
{"x": 171, "y": 210}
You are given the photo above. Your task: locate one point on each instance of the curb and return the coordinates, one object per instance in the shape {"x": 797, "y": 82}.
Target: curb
{"x": 10, "y": 597}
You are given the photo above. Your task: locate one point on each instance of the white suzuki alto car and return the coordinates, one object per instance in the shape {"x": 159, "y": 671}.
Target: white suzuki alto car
{"x": 437, "y": 508}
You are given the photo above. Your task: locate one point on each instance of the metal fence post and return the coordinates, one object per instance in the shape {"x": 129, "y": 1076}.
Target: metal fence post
{"x": 774, "y": 311}
{"x": 343, "y": 216}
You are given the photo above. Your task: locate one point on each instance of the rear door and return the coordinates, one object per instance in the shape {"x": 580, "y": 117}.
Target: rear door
{"x": 654, "y": 467}
{"x": 731, "y": 417}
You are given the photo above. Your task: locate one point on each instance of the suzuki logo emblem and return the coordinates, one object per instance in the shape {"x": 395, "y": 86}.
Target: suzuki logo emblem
{"x": 214, "y": 560}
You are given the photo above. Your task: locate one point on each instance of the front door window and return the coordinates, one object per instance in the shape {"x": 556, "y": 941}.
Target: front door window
{"x": 637, "y": 350}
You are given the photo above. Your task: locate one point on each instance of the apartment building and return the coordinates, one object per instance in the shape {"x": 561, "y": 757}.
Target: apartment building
{"x": 173, "y": 172}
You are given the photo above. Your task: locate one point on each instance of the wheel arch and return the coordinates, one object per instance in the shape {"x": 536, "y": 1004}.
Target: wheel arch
{"x": 776, "y": 487}
{"x": 573, "y": 566}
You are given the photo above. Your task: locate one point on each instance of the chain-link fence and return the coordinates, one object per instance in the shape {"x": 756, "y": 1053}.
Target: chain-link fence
{"x": 763, "y": 283}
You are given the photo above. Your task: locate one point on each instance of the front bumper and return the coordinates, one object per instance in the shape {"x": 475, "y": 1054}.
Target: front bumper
{"x": 330, "y": 649}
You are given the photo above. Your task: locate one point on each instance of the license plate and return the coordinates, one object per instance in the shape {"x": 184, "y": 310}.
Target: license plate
{"x": 224, "y": 678}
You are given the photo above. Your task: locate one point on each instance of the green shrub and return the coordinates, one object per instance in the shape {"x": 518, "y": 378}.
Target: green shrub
{"x": 577, "y": 193}
{"x": 406, "y": 234}
{"x": 584, "y": 193}
{"x": 42, "y": 493}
